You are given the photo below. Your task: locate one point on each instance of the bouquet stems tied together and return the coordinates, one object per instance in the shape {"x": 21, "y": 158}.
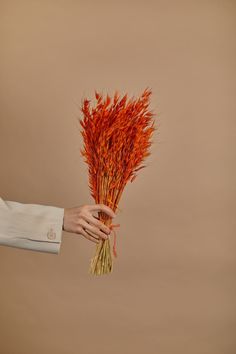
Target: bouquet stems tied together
{"x": 117, "y": 136}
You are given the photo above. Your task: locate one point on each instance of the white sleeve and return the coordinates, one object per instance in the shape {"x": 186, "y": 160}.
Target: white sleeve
{"x": 31, "y": 226}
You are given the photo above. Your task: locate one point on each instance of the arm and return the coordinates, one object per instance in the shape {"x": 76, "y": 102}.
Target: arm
{"x": 31, "y": 226}
{"x": 39, "y": 227}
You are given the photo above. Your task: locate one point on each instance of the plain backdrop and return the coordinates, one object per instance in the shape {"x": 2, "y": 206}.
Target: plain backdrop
{"x": 173, "y": 287}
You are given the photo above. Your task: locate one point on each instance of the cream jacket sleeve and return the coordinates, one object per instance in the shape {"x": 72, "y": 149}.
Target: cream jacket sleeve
{"x": 31, "y": 226}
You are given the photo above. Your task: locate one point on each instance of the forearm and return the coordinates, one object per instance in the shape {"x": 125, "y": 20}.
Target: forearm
{"x": 31, "y": 226}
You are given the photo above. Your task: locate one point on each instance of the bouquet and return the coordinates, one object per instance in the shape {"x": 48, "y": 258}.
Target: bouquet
{"x": 116, "y": 139}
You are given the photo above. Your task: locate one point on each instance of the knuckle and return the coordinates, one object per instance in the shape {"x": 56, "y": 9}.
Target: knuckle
{"x": 82, "y": 222}
{"x": 105, "y": 228}
{"x": 80, "y": 227}
{"x": 99, "y": 224}
{"x": 82, "y": 214}
{"x": 80, "y": 230}
{"x": 102, "y": 235}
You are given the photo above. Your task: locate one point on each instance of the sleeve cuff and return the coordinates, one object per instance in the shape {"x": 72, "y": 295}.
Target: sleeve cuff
{"x": 36, "y": 224}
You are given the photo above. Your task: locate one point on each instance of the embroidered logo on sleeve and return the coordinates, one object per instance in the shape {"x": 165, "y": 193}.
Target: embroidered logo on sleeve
{"x": 51, "y": 235}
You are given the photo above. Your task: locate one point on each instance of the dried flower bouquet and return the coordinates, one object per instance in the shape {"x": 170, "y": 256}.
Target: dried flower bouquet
{"x": 117, "y": 137}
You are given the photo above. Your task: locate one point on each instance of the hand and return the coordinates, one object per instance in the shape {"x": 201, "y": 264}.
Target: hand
{"x": 80, "y": 220}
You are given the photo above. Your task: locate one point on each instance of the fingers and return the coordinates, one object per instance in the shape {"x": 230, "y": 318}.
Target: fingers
{"x": 89, "y": 225}
{"x": 93, "y": 220}
{"x": 88, "y": 236}
{"x": 96, "y": 230}
{"x": 104, "y": 208}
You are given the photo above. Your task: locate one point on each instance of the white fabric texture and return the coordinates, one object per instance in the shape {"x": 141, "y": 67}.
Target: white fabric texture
{"x": 34, "y": 227}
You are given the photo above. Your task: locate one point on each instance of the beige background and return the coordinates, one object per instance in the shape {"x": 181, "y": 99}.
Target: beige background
{"x": 173, "y": 287}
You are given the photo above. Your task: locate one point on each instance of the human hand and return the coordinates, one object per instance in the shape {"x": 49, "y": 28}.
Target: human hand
{"x": 80, "y": 220}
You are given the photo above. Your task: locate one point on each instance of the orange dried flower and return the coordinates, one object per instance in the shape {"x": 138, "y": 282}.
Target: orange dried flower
{"x": 117, "y": 136}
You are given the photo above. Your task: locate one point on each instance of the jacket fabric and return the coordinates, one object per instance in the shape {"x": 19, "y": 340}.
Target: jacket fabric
{"x": 34, "y": 227}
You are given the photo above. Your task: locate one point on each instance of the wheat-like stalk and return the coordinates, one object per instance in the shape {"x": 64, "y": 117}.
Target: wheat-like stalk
{"x": 117, "y": 137}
